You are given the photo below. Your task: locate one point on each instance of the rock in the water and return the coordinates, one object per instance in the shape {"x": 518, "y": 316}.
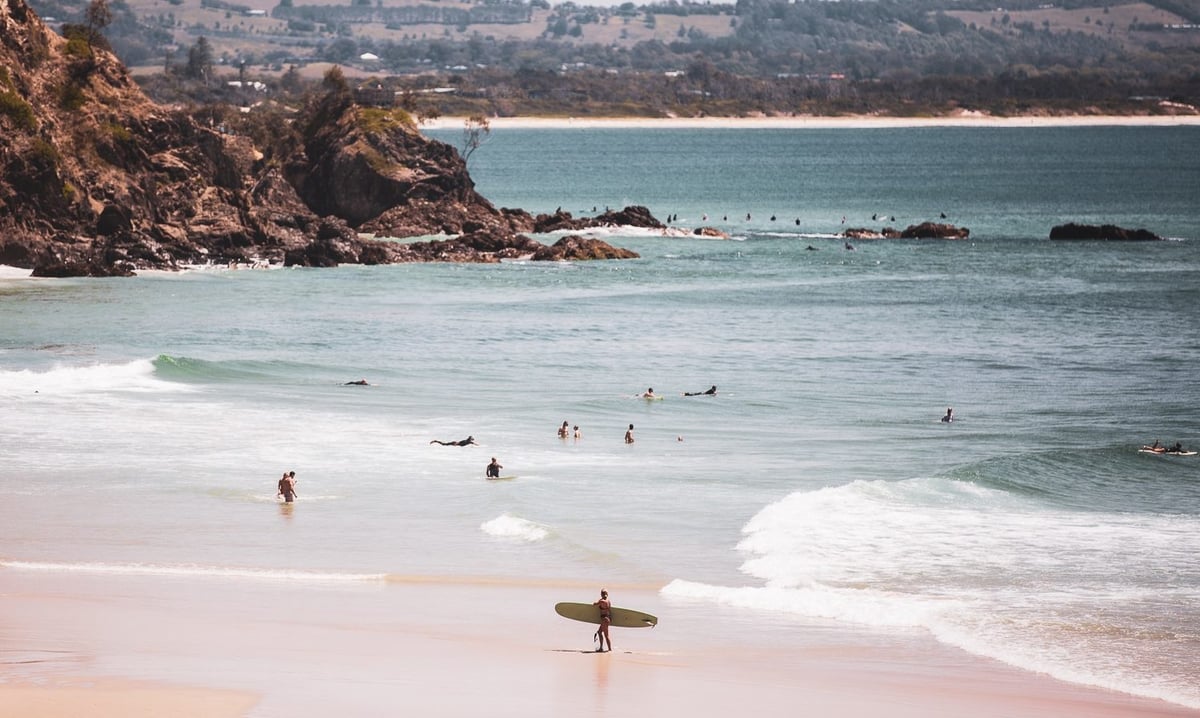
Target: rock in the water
{"x": 1104, "y": 231}
{"x": 934, "y": 230}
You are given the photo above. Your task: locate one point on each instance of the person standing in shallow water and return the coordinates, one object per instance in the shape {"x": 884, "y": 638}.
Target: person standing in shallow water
{"x": 949, "y": 417}
{"x": 493, "y": 469}
{"x": 605, "y": 621}
{"x": 629, "y": 435}
{"x": 563, "y": 430}
{"x": 287, "y": 487}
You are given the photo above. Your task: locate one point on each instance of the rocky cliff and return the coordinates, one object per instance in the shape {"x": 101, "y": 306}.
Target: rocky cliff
{"x": 95, "y": 179}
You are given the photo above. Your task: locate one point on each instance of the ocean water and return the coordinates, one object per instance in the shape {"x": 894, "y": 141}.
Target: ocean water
{"x": 146, "y": 420}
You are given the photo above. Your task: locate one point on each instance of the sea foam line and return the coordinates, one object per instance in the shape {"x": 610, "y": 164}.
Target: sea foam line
{"x": 507, "y": 526}
{"x": 190, "y": 570}
{"x": 137, "y": 375}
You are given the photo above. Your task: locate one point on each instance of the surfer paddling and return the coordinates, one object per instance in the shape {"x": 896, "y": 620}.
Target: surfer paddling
{"x": 712, "y": 390}
{"x": 605, "y": 621}
{"x": 470, "y": 440}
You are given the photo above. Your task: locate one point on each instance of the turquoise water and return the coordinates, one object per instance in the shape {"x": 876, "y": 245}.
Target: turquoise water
{"x": 818, "y": 484}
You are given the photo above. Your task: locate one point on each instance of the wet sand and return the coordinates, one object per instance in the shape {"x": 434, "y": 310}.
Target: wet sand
{"x": 130, "y": 645}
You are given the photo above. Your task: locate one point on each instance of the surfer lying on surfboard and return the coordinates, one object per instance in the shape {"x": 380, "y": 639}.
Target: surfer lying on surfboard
{"x": 460, "y": 442}
{"x": 1157, "y": 448}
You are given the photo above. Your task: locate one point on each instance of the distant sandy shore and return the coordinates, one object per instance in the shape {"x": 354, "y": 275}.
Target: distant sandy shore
{"x": 109, "y": 646}
{"x": 812, "y": 122}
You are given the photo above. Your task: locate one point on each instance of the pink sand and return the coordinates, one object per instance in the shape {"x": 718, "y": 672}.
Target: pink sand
{"x": 124, "y": 646}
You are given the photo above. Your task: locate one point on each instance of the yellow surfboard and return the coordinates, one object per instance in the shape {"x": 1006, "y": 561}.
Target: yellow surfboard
{"x": 621, "y": 617}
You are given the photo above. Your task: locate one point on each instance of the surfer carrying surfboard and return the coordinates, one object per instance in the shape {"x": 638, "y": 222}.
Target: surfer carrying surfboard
{"x": 605, "y": 620}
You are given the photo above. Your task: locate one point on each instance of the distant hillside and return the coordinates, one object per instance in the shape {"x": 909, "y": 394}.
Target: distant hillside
{"x": 850, "y": 56}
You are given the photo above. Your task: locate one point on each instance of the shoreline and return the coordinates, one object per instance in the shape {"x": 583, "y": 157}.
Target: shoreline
{"x": 109, "y": 646}
{"x": 802, "y": 122}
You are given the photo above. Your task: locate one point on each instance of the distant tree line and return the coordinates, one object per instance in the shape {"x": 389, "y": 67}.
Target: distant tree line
{"x": 890, "y": 56}
{"x": 506, "y": 13}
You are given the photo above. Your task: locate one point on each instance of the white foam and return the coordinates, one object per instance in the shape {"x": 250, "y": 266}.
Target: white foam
{"x": 866, "y": 607}
{"x": 513, "y": 527}
{"x": 134, "y": 376}
{"x": 10, "y": 272}
{"x": 998, "y": 574}
{"x": 193, "y": 570}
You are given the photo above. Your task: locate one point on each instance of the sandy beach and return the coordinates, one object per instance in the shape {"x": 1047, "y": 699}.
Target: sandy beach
{"x": 813, "y": 122}
{"x": 125, "y": 645}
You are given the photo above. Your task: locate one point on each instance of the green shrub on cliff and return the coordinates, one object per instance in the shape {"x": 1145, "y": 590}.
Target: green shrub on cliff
{"x": 44, "y": 154}
{"x": 119, "y": 133}
{"x": 71, "y": 97}
{"x": 377, "y": 120}
{"x": 78, "y": 48}
{"x": 18, "y": 110}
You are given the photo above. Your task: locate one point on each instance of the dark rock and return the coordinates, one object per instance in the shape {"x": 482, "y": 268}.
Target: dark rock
{"x": 633, "y": 216}
{"x": 113, "y": 220}
{"x": 1106, "y": 231}
{"x": 710, "y": 232}
{"x": 576, "y": 247}
{"x": 934, "y": 230}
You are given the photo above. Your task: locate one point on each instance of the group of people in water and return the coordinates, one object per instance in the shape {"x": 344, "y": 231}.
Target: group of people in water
{"x": 567, "y": 431}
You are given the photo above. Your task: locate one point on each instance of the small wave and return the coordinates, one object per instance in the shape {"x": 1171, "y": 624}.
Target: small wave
{"x": 513, "y": 527}
{"x": 194, "y": 570}
{"x": 864, "y": 607}
{"x": 964, "y": 624}
{"x": 189, "y": 369}
{"x": 134, "y": 376}
{"x": 1005, "y": 573}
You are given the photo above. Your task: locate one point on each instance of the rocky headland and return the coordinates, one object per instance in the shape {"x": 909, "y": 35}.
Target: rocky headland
{"x": 97, "y": 180}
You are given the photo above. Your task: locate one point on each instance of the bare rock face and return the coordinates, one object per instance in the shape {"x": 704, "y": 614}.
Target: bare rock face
{"x": 1104, "y": 231}
{"x": 110, "y": 182}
